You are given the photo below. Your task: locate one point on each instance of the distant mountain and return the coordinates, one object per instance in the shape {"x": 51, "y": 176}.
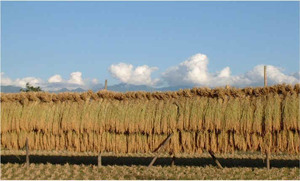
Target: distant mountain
{"x": 67, "y": 90}
{"x": 129, "y": 87}
{"x": 97, "y": 87}
{"x": 117, "y": 87}
{"x": 14, "y": 89}
{"x": 78, "y": 90}
{"x": 61, "y": 90}
{"x": 174, "y": 88}
{"x": 10, "y": 89}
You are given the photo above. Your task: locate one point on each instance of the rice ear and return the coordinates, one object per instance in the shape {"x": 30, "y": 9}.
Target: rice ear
{"x": 258, "y": 116}
{"x": 221, "y": 120}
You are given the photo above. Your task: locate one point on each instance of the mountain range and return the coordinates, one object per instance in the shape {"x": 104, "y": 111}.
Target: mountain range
{"x": 122, "y": 87}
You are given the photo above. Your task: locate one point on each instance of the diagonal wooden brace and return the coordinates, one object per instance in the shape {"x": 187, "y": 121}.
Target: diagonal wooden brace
{"x": 215, "y": 159}
{"x": 159, "y": 148}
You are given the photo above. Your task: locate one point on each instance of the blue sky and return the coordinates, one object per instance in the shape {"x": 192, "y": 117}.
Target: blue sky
{"x": 42, "y": 39}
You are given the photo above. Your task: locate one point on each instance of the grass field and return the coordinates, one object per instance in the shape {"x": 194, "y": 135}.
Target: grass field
{"x": 69, "y": 165}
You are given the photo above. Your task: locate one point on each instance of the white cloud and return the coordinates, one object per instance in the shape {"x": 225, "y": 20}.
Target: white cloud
{"x": 55, "y": 79}
{"x": 225, "y": 73}
{"x": 141, "y": 75}
{"x": 274, "y": 76}
{"x": 54, "y": 82}
{"x": 21, "y": 82}
{"x": 5, "y": 80}
{"x": 75, "y": 78}
{"x": 31, "y": 80}
{"x": 95, "y": 81}
{"x": 121, "y": 71}
{"x": 191, "y": 72}
{"x": 194, "y": 72}
{"x": 296, "y": 75}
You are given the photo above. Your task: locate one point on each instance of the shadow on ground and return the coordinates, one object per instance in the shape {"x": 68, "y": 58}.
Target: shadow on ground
{"x": 144, "y": 161}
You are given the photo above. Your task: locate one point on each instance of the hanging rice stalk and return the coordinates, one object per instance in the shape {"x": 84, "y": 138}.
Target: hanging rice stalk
{"x": 221, "y": 120}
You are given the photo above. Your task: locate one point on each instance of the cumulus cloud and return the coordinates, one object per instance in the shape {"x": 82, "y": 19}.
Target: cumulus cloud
{"x": 191, "y": 72}
{"x": 275, "y": 76}
{"x": 54, "y": 82}
{"x": 126, "y": 73}
{"x": 225, "y": 73}
{"x": 31, "y": 80}
{"x": 75, "y": 78}
{"x": 95, "y": 81}
{"x": 5, "y": 80}
{"x": 55, "y": 79}
{"x": 21, "y": 82}
{"x": 296, "y": 75}
{"x": 194, "y": 72}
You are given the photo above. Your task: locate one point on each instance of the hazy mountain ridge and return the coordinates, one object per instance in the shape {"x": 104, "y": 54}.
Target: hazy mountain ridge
{"x": 10, "y": 89}
{"x": 122, "y": 87}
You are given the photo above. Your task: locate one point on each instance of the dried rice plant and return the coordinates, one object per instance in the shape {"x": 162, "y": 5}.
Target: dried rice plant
{"x": 221, "y": 120}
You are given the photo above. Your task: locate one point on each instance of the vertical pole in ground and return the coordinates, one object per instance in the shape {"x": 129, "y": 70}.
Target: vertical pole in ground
{"x": 27, "y": 152}
{"x": 173, "y": 160}
{"x": 99, "y": 160}
{"x": 268, "y": 160}
{"x": 265, "y": 76}
{"x": 105, "y": 87}
{"x": 267, "y": 152}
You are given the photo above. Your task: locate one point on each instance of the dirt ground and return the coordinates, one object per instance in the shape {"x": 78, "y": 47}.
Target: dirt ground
{"x": 56, "y": 165}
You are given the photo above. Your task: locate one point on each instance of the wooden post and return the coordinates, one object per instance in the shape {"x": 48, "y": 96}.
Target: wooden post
{"x": 27, "y": 152}
{"x": 268, "y": 160}
{"x": 159, "y": 147}
{"x": 265, "y": 76}
{"x": 99, "y": 160}
{"x": 173, "y": 160}
{"x": 215, "y": 159}
{"x": 152, "y": 162}
{"x": 105, "y": 87}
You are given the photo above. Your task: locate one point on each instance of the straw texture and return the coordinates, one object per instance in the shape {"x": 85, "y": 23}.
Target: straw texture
{"x": 222, "y": 120}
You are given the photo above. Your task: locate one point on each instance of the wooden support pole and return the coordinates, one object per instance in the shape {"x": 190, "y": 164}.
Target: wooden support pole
{"x": 158, "y": 149}
{"x": 173, "y": 160}
{"x": 27, "y": 152}
{"x": 215, "y": 159}
{"x": 265, "y": 76}
{"x": 105, "y": 87}
{"x": 99, "y": 160}
{"x": 152, "y": 162}
{"x": 268, "y": 160}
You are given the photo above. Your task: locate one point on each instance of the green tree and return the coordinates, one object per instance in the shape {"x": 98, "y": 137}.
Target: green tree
{"x": 30, "y": 88}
